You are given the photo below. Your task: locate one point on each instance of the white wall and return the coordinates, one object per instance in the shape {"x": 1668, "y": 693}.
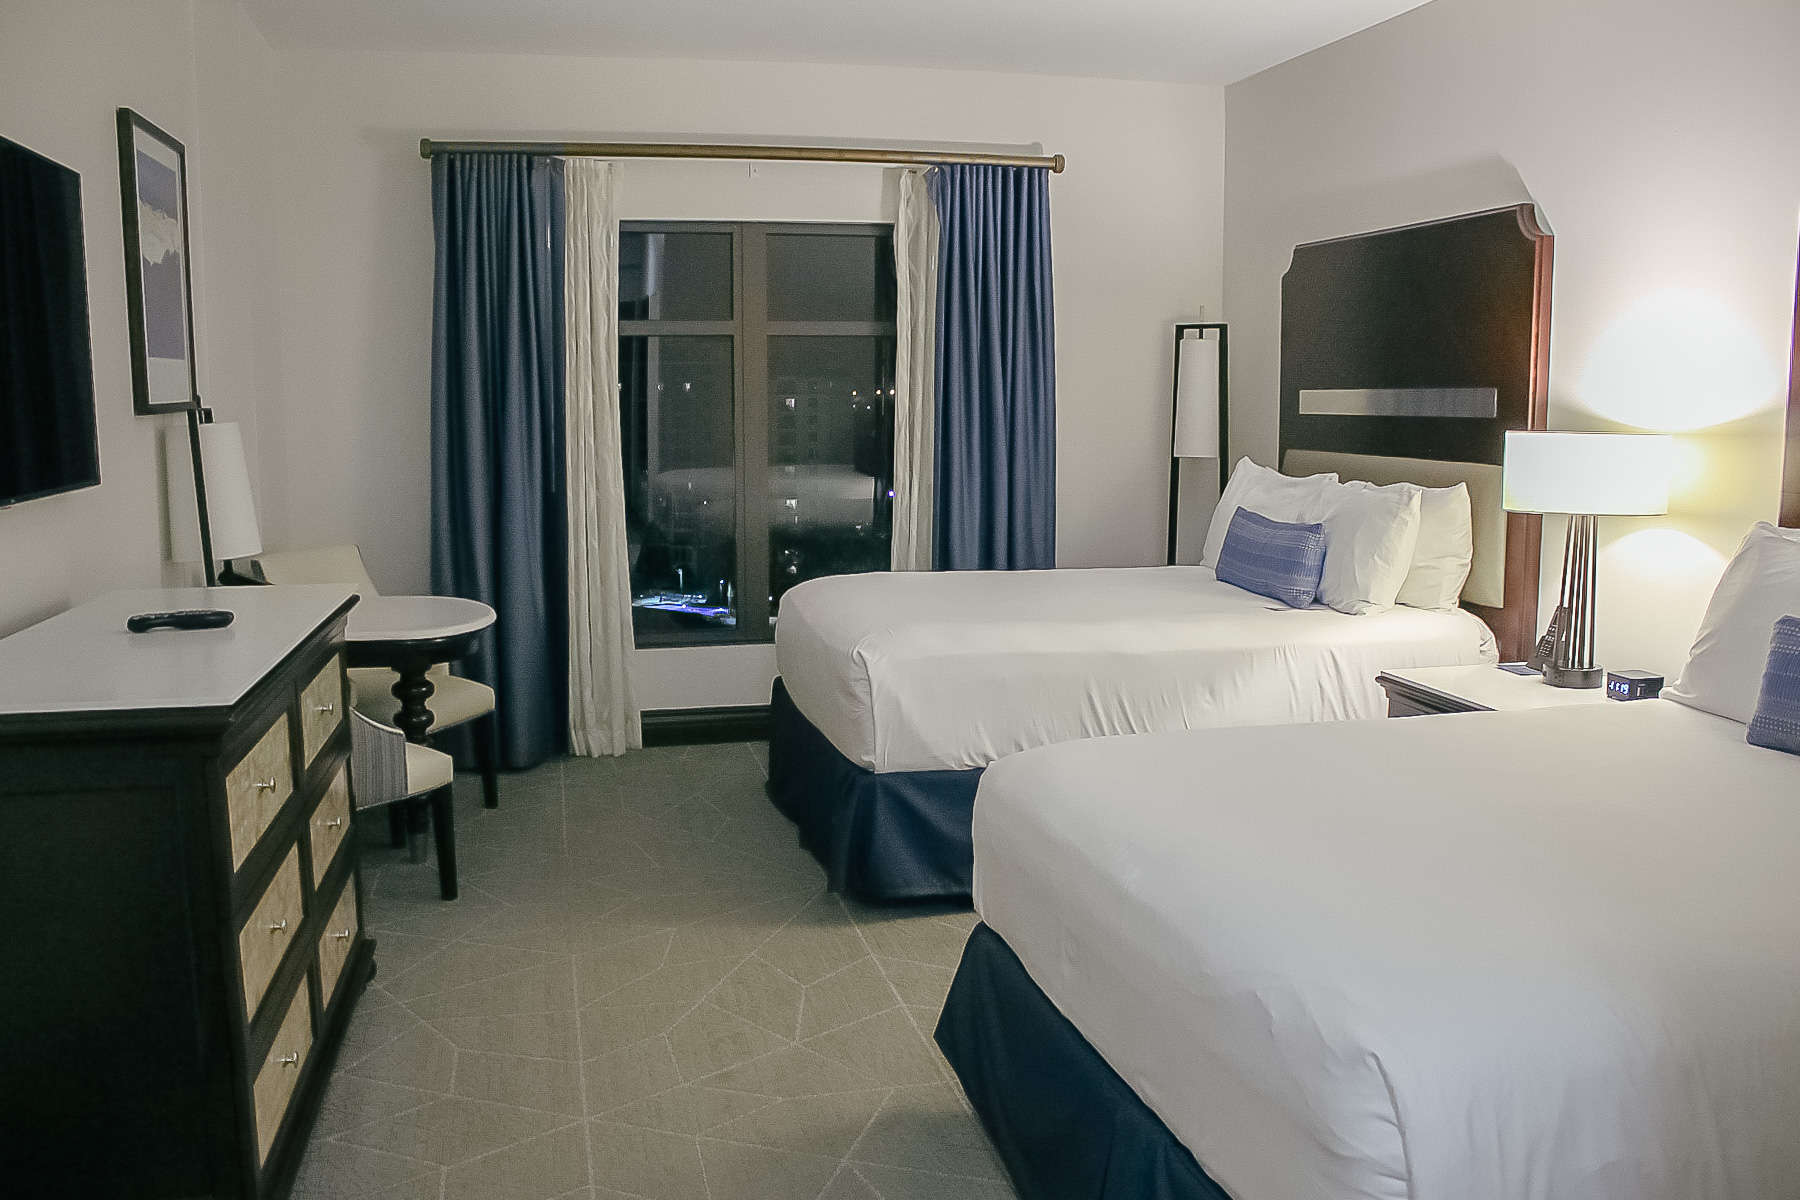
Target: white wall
{"x": 1136, "y": 221}
{"x": 1657, "y": 139}
{"x": 64, "y": 69}
{"x": 231, "y": 153}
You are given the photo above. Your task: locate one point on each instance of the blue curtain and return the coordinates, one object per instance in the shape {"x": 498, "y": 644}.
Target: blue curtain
{"x": 996, "y": 369}
{"x": 497, "y": 511}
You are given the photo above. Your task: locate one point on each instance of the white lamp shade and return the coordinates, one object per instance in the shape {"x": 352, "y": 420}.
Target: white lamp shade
{"x": 230, "y": 506}
{"x": 1197, "y": 398}
{"x": 1588, "y": 474}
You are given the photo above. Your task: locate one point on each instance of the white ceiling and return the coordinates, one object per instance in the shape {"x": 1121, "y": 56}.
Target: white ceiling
{"x": 1199, "y": 41}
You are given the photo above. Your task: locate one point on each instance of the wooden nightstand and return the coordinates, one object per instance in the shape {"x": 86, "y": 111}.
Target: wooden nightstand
{"x": 1425, "y": 691}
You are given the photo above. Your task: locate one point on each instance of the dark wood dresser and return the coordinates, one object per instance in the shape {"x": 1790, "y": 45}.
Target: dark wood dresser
{"x": 180, "y": 947}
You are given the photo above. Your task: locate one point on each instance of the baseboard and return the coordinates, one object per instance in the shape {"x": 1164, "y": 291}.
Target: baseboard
{"x": 693, "y": 726}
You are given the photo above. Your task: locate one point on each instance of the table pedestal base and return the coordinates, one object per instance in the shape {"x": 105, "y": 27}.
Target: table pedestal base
{"x": 412, "y": 689}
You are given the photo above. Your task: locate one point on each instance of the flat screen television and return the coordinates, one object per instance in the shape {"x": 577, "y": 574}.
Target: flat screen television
{"x": 48, "y": 439}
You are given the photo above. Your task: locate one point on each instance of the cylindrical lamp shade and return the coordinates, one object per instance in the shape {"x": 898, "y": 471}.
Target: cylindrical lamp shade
{"x": 230, "y": 506}
{"x": 1197, "y": 399}
{"x": 1588, "y": 474}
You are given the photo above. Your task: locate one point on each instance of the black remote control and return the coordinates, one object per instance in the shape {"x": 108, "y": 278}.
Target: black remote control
{"x": 187, "y": 618}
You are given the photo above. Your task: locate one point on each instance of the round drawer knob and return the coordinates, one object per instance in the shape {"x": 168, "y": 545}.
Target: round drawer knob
{"x": 265, "y": 785}
{"x": 325, "y": 710}
{"x": 290, "y": 1060}
{"x": 335, "y": 823}
{"x": 279, "y": 926}
{"x": 342, "y": 935}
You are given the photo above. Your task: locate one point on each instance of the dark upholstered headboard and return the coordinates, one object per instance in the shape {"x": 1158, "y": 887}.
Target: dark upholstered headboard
{"x": 1427, "y": 343}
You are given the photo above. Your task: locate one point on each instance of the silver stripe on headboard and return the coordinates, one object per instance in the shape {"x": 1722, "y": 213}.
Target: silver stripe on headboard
{"x": 1476, "y": 402}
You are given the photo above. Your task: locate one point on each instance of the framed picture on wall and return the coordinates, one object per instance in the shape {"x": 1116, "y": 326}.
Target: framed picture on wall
{"x": 158, "y": 267}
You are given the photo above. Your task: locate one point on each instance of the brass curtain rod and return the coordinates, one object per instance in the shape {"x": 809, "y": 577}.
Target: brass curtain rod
{"x": 1053, "y": 163}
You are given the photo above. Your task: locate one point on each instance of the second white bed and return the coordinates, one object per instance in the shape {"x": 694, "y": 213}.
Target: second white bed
{"x": 1498, "y": 956}
{"x": 926, "y": 671}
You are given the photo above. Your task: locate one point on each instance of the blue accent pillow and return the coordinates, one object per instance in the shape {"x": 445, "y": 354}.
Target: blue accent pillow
{"x": 1276, "y": 559}
{"x": 1777, "y": 720}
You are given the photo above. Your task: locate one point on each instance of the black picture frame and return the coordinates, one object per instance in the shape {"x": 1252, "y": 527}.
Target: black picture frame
{"x": 159, "y": 294}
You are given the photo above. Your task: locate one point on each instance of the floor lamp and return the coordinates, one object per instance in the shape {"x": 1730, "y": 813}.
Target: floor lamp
{"x": 1202, "y": 408}
{"x": 1586, "y": 476}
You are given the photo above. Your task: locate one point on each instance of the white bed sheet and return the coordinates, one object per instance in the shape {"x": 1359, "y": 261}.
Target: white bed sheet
{"x": 924, "y": 671}
{"x": 1493, "y": 956}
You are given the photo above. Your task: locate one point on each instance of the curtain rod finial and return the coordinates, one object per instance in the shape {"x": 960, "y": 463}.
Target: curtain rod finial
{"x": 1057, "y": 165}
{"x": 425, "y": 148}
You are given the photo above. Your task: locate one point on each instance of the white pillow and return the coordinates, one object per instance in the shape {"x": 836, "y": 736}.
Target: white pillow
{"x": 1445, "y": 552}
{"x": 1370, "y": 533}
{"x": 1445, "y": 549}
{"x": 1276, "y": 496}
{"x": 1761, "y": 585}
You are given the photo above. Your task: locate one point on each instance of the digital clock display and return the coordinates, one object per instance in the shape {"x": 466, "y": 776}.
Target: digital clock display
{"x": 1633, "y": 685}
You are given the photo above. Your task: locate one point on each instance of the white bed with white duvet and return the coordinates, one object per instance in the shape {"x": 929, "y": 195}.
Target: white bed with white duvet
{"x": 896, "y": 690}
{"x": 951, "y": 671}
{"x": 1495, "y": 956}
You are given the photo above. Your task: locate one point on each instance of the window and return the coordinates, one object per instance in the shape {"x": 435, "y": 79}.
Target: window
{"x": 756, "y": 372}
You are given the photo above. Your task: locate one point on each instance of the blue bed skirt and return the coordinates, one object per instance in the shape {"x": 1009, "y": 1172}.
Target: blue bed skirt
{"x": 901, "y": 835}
{"x": 1066, "y": 1126}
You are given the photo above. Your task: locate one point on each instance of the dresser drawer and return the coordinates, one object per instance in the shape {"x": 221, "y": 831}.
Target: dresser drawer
{"x": 329, "y": 823}
{"x": 1405, "y": 706}
{"x": 271, "y": 929}
{"x": 335, "y": 942}
{"x": 321, "y": 708}
{"x": 256, "y": 788}
{"x": 275, "y": 1080}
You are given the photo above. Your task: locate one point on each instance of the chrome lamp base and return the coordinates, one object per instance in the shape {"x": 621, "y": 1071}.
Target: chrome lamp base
{"x": 1571, "y": 662}
{"x": 1574, "y": 677}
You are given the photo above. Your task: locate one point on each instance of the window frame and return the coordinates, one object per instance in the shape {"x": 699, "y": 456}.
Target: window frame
{"x": 750, "y": 329}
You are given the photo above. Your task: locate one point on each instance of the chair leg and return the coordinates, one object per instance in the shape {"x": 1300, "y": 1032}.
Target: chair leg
{"x": 418, "y": 819}
{"x": 396, "y": 814}
{"x": 443, "y": 824}
{"x": 487, "y": 757}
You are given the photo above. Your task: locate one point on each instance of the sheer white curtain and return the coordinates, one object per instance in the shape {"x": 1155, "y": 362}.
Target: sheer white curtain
{"x": 603, "y": 716}
{"x": 915, "y": 355}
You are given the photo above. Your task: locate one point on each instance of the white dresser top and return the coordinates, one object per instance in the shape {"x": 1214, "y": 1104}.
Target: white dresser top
{"x": 84, "y": 660}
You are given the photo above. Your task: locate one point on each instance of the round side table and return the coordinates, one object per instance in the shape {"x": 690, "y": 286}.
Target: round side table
{"x": 410, "y": 635}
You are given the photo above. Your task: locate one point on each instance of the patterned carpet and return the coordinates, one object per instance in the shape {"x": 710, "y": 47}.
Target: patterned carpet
{"x": 644, "y": 991}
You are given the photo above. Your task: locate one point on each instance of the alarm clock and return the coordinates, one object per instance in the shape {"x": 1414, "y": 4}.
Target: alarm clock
{"x": 1633, "y": 685}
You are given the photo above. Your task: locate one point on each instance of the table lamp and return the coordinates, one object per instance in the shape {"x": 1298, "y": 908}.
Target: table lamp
{"x": 227, "y": 528}
{"x": 1586, "y": 476}
{"x": 1201, "y": 407}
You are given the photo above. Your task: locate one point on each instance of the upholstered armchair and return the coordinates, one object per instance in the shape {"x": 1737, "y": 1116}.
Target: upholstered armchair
{"x": 391, "y": 770}
{"x": 454, "y": 700}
